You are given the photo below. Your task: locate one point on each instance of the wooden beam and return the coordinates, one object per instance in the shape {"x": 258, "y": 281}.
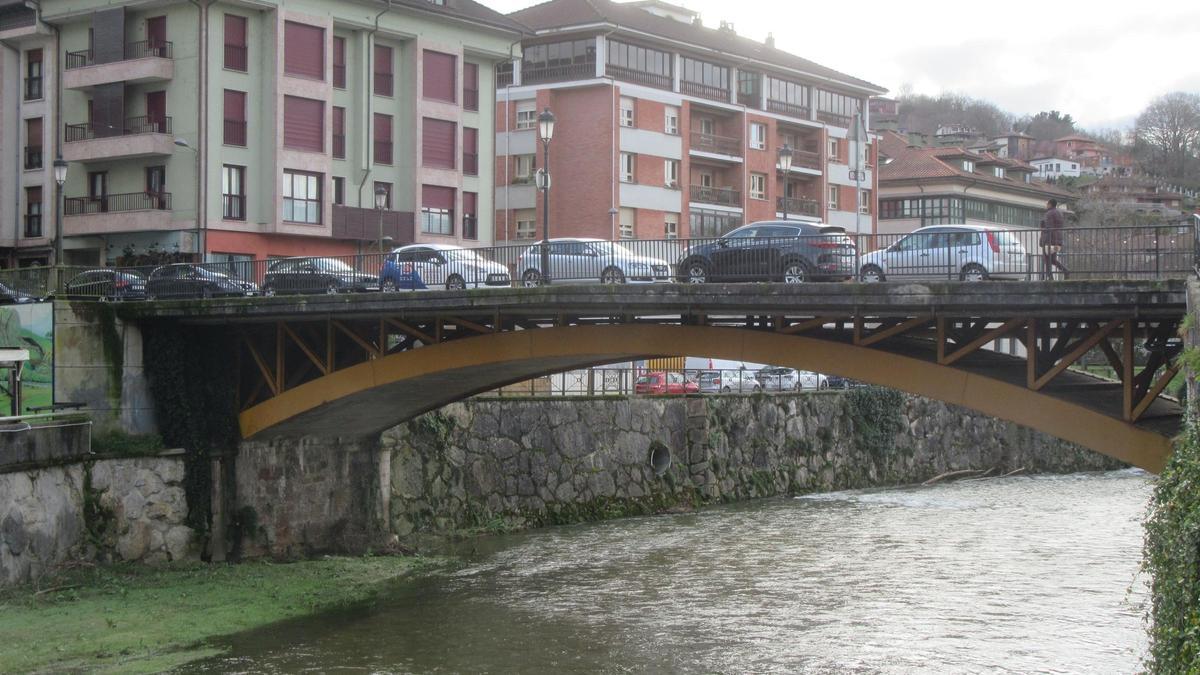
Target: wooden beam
{"x": 280, "y": 361}
{"x": 483, "y": 330}
{"x": 409, "y": 330}
{"x": 1080, "y": 348}
{"x": 1163, "y": 380}
{"x": 265, "y": 370}
{"x": 1114, "y": 359}
{"x": 890, "y": 331}
{"x": 988, "y": 336}
{"x": 1031, "y": 352}
{"x": 312, "y": 356}
{"x": 941, "y": 340}
{"x": 1127, "y": 371}
{"x": 365, "y": 344}
{"x": 806, "y": 325}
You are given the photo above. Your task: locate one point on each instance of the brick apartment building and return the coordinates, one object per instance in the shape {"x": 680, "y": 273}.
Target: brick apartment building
{"x": 666, "y": 128}
{"x": 286, "y": 118}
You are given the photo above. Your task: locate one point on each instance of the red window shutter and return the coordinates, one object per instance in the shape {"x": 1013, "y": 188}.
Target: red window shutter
{"x": 303, "y": 124}
{"x": 383, "y": 70}
{"x": 437, "y": 197}
{"x": 470, "y": 86}
{"x": 33, "y": 132}
{"x": 383, "y": 138}
{"x": 339, "y": 121}
{"x": 437, "y": 143}
{"x": 235, "y": 42}
{"x": 34, "y": 55}
{"x": 235, "y": 105}
{"x": 470, "y": 141}
{"x": 469, "y": 203}
{"x": 339, "y": 62}
{"x": 303, "y": 50}
{"x": 439, "y": 75}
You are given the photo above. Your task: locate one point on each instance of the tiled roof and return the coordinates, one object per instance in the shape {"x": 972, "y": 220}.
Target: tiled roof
{"x": 910, "y": 164}
{"x": 465, "y": 9}
{"x": 892, "y": 144}
{"x": 1076, "y": 137}
{"x": 566, "y": 13}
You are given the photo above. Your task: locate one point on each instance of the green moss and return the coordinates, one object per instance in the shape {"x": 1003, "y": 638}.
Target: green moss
{"x": 99, "y": 522}
{"x": 114, "y": 349}
{"x": 121, "y": 444}
{"x": 876, "y": 415}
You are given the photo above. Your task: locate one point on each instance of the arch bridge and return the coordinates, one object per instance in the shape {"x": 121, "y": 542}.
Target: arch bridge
{"x": 328, "y": 364}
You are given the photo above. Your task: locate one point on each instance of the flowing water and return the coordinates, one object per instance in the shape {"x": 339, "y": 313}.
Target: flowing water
{"x": 1013, "y": 575}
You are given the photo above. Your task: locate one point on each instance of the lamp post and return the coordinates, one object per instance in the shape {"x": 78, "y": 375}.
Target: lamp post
{"x": 381, "y": 203}
{"x": 545, "y": 132}
{"x": 199, "y": 198}
{"x": 785, "y": 167}
{"x": 60, "y": 177}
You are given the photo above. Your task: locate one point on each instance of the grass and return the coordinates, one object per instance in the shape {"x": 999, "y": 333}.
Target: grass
{"x": 129, "y": 618}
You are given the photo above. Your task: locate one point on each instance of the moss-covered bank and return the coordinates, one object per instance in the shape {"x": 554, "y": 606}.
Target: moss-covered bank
{"x": 133, "y": 618}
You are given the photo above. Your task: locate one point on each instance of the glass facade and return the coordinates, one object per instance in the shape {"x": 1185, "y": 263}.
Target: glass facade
{"x": 955, "y": 210}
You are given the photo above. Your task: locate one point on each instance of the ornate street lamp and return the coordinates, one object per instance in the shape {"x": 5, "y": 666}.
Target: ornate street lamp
{"x": 546, "y": 133}
{"x": 381, "y": 199}
{"x": 785, "y": 167}
{"x": 60, "y": 177}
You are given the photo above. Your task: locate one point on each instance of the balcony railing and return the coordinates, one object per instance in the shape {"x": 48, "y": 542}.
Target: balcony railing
{"x": 750, "y": 99}
{"x": 806, "y": 159}
{"x": 133, "y": 126}
{"x": 704, "y": 91}
{"x": 133, "y": 50}
{"x": 471, "y": 163}
{"x": 798, "y": 206}
{"x": 233, "y": 207}
{"x": 470, "y": 99}
{"x": 639, "y": 76}
{"x": 722, "y": 145}
{"x": 351, "y": 222}
{"x": 570, "y": 71}
{"x": 33, "y": 157}
{"x": 235, "y": 132}
{"x": 236, "y": 58}
{"x": 132, "y": 201}
{"x": 33, "y": 225}
{"x": 383, "y": 84}
{"x": 383, "y": 152}
{"x": 504, "y": 77}
{"x": 33, "y": 88}
{"x": 834, "y": 119}
{"x": 714, "y": 195}
{"x": 790, "y": 109}
{"x": 339, "y": 146}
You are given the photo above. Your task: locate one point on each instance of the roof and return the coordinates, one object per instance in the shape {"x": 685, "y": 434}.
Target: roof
{"x": 467, "y": 10}
{"x": 1076, "y": 137}
{"x": 915, "y": 164}
{"x": 630, "y": 16}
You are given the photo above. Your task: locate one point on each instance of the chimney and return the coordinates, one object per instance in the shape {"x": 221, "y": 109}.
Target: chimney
{"x": 771, "y": 40}
{"x": 727, "y": 27}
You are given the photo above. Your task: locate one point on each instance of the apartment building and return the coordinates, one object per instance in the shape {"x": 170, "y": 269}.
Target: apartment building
{"x": 239, "y": 130}
{"x": 666, "y": 128}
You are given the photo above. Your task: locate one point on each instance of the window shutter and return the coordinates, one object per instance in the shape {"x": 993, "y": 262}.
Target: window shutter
{"x": 235, "y": 42}
{"x": 469, "y": 203}
{"x": 383, "y": 70}
{"x": 339, "y": 62}
{"x": 339, "y": 121}
{"x": 439, "y": 79}
{"x": 303, "y": 124}
{"x": 438, "y": 144}
{"x": 304, "y": 50}
{"x": 383, "y": 127}
{"x": 33, "y": 132}
{"x": 437, "y": 197}
{"x": 235, "y": 105}
{"x": 470, "y": 141}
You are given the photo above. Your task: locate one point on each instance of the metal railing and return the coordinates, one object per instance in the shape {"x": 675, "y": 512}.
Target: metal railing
{"x": 339, "y": 146}
{"x": 785, "y": 108}
{"x": 162, "y": 49}
{"x": 236, "y": 58}
{"x": 807, "y": 159}
{"x": 339, "y": 76}
{"x": 1129, "y": 252}
{"x": 33, "y": 88}
{"x": 724, "y": 145}
{"x": 132, "y": 127}
{"x": 383, "y": 152}
{"x": 834, "y": 119}
{"x": 33, "y": 157}
{"x": 798, "y": 206}
{"x": 383, "y": 84}
{"x": 129, "y": 201}
{"x": 470, "y": 99}
{"x": 235, "y": 132}
{"x": 715, "y": 195}
{"x": 33, "y": 225}
{"x": 233, "y": 207}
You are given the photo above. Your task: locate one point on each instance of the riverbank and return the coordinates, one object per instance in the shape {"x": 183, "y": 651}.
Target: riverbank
{"x": 138, "y": 619}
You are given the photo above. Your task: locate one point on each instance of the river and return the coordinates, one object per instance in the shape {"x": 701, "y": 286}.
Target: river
{"x": 1012, "y": 575}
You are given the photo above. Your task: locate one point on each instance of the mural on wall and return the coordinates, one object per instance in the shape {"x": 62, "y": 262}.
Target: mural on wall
{"x": 29, "y": 326}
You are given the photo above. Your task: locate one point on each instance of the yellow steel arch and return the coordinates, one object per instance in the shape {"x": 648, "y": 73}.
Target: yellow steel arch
{"x": 527, "y": 353}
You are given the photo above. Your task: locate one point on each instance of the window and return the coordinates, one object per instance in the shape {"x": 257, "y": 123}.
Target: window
{"x": 836, "y": 109}
{"x": 628, "y": 161}
{"x": 339, "y": 132}
{"x": 33, "y": 143}
{"x": 303, "y": 124}
{"x": 438, "y": 70}
{"x": 438, "y": 143}
{"x": 968, "y": 165}
{"x": 864, "y": 201}
{"x": 758, "y": 136}
{"x": 626, "y": 221}
{"x": 301, "y": 197}
{"x": 33, "y": 211}
{"x": 640, "y": 64}
{"x": 523, "y": 171}
{"x": 835, "y": 154}
{"x": 527, "y": 224}
{"x": 235, "y": 43}
{"x": 383, "y": 139}
{"x": 788, "y": 98}
{"x": 626, "y": 111}
{"x": 526, "y": 116}
{"x": 708, "y": 126}
{"x": 758, "y": 186}
{"x": 558, "y": 61}
{"x": 702, "y": 78}
{"x": 437, "y": 209}
{"x": 387, "y": 191}
{"x": 470, "y": 219}
{"x": 233, "y": 192}
{"x": 670, "y": 225}
{"x": 383, "y": 71}
{"x": 671, "y": 173}
{"x": 470, "y": 151}
{"x": 833, "y": 197}
{"x": 235, "y": 118}
{"x": 339, "y": 190}
{"x": 303, "y": 50}
{"x": 470, "y": 86}
{"x": 339, "y": 62}
{"x": 750, "y": 88}
{"x": 705, "y": 223}
{"x": 998, "y": 171}
{"x": 33, "y": 75}
{"x": 671, "y": 121}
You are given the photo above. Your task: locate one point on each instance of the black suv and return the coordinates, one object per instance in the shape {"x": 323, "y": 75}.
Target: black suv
{"x": 787, "y": 251}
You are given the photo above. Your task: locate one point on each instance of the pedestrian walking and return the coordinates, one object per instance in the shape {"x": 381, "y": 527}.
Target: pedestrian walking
{"x": 1052, "y": 240}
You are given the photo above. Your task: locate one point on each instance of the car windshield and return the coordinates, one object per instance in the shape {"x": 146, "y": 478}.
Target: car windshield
{"x": 331, "y": 265}
{"x": 461, "y": 254}
{"x": 647, "y": 379}
{"x": 609, "y": 248}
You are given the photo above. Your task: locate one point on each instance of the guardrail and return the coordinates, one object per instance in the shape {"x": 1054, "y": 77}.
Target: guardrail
{"x": 954, "y": 253}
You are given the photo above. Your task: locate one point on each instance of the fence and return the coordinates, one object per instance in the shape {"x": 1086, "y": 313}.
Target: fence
{"x": 758, "y": 254}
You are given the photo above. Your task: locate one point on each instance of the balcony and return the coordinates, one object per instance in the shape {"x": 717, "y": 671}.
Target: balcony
{"x": 33, "y": 225}
{"x": 33, "y": 88}
{"x": 140, "y": 137}
{"x": 702, "y": 194}
{"x": 798, "y": 206}
{"x": 639, "y": 76}
{"x": 806, "y": 159}
{"x": 790, "y": 109}
{"x": 719, "y": 145}
{"x": 143, "y": 61}
{"x": 704, "y": 91}
{"x": 235, "y": 133}
{"x": 233, "y": 207}
{"x": 108, "y": 214}
{"x": 33, "y": 157}
{"x": 359, "y": 224}
{"x": 570, "y": 71}
{"x": 470, "y": 164}
{"x": 834, "y": 119}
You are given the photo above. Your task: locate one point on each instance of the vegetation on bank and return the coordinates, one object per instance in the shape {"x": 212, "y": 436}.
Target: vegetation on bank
{"x": 133, "y": 618}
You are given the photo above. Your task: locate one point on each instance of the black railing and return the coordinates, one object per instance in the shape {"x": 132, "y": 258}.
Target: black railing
{"x": 383, "y": 84}
{"x": 33, "y": 88}
{"x": 33, "y": 157}
{"x": 383, "y": 152}
{"x": 722, "y": 145}
{"x": 78, "y": 59}
{"x": 714, "y": 195}
{"x": 131, "y": 201}
{"x": 798, "y": 206}
{"x": 704, "y": 91}
{"x": 639, "y": 76}
{"x": 236, "y": 58}
{"x": 33, "y": 225}
{"x": 133, "y": 126}
{"x": 233, "y": 207}
{"x": 570, "y": 71}
{"x": 162, "y": 49}
{"x": 470, "y": 99}
{"x": 235, "y": 132}
{"x": 471, "y": 163}
{"x": 339, "y": 146}
{"x": 790, "y": 109}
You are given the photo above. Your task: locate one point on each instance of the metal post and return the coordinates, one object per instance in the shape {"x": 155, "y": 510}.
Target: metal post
{"x": 545, "y": 212}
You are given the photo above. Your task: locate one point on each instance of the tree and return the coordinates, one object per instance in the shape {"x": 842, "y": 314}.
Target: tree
{"x": 1167, "y": 135}
{"x": 1048, "y": 125}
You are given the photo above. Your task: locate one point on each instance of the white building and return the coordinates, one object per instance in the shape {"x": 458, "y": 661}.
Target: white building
{"x": 1054, "y": 167}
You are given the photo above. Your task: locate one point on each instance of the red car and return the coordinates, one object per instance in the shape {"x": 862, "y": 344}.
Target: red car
{"x": 665, "y": 383}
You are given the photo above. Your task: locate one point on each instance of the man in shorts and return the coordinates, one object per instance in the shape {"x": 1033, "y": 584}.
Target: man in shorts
{"x": 1052, "y": 240}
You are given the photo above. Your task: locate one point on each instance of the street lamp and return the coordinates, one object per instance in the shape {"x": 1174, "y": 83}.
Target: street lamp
{"x": 60, "y": 177}
{"x": 381, "y": 203}
{"x": 181, "y": 142}
{"x": 546, "y": 132}
{"x": 785, "y": 167}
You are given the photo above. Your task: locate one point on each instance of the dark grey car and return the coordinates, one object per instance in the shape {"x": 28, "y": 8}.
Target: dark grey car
{"x": 316, "y": 275}
{"x": 787, "y": 251}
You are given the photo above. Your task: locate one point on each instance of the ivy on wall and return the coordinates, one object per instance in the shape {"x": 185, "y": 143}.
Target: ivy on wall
{"x": 877, "y": 416}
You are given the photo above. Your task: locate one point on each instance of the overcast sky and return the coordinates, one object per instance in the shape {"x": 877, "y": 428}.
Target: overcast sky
{"x": 1102, "y": 62}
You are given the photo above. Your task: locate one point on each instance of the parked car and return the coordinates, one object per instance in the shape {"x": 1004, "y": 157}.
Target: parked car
{"x": 664, "y": 383}
{"x": 106, "y": 285}
{"x": 12, "y": 296}
{"x": 839, "y": 382}
{"x": 316, "y": 275}
{"x": 964, "y": 252}
{"x": 575, "y": 260}
{"x": 440, "y": 266}
{"x": 186, "y": 280}
{"x": 787, "y": 251}
{"x": 728, "y": 381}
{"x": 775, "y": 378}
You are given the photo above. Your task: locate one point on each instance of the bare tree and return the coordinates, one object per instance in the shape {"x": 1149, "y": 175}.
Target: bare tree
{"x": 1168, "y": 134}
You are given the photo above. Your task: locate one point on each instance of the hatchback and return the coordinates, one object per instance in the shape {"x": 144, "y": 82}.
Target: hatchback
{"x": 575, "y": 260}
{"x": 664, "y": 383}
{"x": 787, "y": 251}
{"x": 728, "y": 381}
{"x": 964, "y": 252}
{"x": 773, "y": 378}
{"x": 440, "y": 266}
{"x": 106, "y": 285}
{"x": 316, "y": 275}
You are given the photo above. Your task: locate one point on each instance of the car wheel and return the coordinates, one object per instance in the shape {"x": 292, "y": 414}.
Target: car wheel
{"x": 105, "y": 298}
{"x": 973, "y": 272}
{"x": 824, "y": 384}
{"x": 757, "y": 389}
{"x": 696, "y": 272}
{"x": 612, "y": 275}
{"x": 151, "y": 296}
{"x": 332, "y": 288}
{"x": 531, "y": 279}
{"x": 725, "y": 390}
{"x": 388, "y": 285}
{"x": 870, "y": 274}
{"x": 268, "y": 290}
{"x": 795, "y": 272}
{"x": 455, "y": 283}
